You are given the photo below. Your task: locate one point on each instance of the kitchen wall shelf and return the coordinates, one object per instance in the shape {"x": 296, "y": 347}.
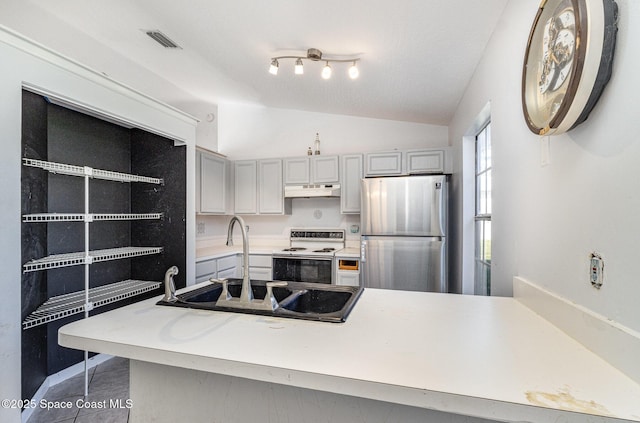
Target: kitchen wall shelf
{"x": 92, "y": 217}
{"x": 74, "y": 303}
{"x": 84, "y": 301}
{"x": 103, "y": 215}
{"x": 95, "y": 256}
{"x": 66, "y": 169}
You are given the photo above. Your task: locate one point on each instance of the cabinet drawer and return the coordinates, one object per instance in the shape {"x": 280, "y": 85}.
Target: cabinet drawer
{"x": 205, "y": 268}
{"x": 259, "y": 260}
{"x": 227, "y": 273}
{"x": 260, "y": 273}
{"x": 225, "y": 263}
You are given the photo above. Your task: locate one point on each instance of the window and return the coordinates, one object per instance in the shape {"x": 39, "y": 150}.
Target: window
{"x": 482, "y": 275}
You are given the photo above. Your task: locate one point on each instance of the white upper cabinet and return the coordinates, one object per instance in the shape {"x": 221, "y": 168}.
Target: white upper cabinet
{"x": 270, "y": 187}
{"x": 259, "y": 188}
{"x": 425, "y": 161}
{"x": 325, "y": 170}
{"x": 381, "y": 164}
{"x": 246, "y": 187}
{"x": 212, "y": 184}
{"x": 351, "y": 171}
{"x": 312, "y": 170}
{"x": 407, "y": 162}
{"x": 296, "y": 171}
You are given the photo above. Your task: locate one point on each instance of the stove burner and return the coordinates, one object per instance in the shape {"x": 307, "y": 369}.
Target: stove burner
{"x": 324, "y": 250}
{"x": 294, "y": 249}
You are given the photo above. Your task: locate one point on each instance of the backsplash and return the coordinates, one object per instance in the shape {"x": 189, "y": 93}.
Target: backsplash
{"x": 306, "y": 213}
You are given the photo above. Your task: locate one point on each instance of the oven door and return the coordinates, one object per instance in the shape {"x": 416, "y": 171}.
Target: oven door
{"x": 303, "y": 269}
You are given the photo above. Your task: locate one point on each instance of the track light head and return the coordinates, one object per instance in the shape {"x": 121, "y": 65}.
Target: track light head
{"x": 326, "y": 71}
{"x": 273, "y": 69}
{"x": 353, "y": 71}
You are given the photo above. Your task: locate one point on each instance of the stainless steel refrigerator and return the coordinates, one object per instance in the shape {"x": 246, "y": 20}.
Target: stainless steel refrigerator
{"x": 404, "y": 227}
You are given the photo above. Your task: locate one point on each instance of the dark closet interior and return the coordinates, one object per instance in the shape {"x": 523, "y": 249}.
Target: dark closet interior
{"x": 57, "y": 134}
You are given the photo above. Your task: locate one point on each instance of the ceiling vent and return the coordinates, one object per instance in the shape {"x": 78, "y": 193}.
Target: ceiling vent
{"x": 162, "y": 39}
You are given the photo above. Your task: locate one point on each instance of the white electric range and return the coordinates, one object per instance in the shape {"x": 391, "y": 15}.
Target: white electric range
{"x": 309, "y": 257}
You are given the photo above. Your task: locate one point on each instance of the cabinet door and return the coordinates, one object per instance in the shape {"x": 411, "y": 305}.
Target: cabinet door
{"x": 378, "y": 164}
{"x": 296, "y": 170}
{"x": 205, "y": 270}
{"x": 325, "y": 170}
{"x": 246, "y": 195}
{"x": 348, "y": 278}
{"x": 350, "y": 183}
{"x": 425, "y": 161}
{"x": 213, "y": 184}
{"x": 270, "y": 187}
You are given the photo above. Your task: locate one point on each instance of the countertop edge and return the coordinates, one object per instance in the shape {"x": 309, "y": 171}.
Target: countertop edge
{"x": 446, "y": 402}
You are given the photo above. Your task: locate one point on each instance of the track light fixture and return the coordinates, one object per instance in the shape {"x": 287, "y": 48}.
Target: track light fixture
{"x": 315, "y": 55}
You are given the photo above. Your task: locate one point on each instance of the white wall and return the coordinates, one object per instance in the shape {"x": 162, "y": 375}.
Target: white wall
{"x": 25, "y": 63}
{"x": 249, "y": 132}
{"x": 548, "y": 219}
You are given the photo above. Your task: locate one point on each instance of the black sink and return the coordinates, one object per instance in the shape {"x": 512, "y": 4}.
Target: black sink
{"x": 298, "y": 300}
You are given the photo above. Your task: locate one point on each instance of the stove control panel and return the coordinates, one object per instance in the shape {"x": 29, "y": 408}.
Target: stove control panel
{"x": 317, "y": 234}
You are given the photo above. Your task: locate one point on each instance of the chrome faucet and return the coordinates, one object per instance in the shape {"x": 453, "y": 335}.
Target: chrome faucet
{"x": 246, "y": 295}
{"x": 246, "y": 300}
{"x": 169, "y": 285}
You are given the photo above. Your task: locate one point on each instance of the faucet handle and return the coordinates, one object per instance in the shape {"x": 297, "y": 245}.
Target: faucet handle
{"x": 225, "y": 290}
{"x": 269, "y": 300}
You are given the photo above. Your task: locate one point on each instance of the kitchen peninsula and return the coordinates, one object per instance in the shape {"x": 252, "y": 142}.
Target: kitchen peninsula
{"x": 400, "y": 356}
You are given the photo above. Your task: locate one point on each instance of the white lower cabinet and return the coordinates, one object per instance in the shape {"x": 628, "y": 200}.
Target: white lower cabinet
{"x": 205, "y": 270}
{"x": 223, "y": 267}
{"x": 347, "y": 271}
{"x": 260, "y": 267}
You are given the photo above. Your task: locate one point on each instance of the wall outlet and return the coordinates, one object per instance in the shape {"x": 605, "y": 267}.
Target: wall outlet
{"x": 596, "y": 270}
{"x": 201, "y": 228}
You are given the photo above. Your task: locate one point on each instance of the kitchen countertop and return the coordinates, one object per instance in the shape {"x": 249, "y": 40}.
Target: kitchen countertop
{"x": 485, "y": 356}
{"x": 348, "y": 252}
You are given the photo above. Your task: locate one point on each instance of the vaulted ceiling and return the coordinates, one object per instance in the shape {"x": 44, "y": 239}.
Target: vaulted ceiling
{"x": 416, "y": 56}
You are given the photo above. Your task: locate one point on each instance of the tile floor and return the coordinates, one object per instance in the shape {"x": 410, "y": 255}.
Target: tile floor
{"x": 107, "y": 381}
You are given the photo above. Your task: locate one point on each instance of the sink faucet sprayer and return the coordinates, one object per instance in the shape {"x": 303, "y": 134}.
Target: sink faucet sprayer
{"x": 169, "y": 285}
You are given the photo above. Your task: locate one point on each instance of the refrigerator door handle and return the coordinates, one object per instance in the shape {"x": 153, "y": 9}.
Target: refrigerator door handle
{"x": 363, "y": 247}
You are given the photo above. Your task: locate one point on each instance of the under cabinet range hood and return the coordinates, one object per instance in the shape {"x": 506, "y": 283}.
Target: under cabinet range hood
{"x": 312, "y": 190}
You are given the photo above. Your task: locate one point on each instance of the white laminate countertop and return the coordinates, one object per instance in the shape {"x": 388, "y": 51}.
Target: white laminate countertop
{"x": 488, "y": 357}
